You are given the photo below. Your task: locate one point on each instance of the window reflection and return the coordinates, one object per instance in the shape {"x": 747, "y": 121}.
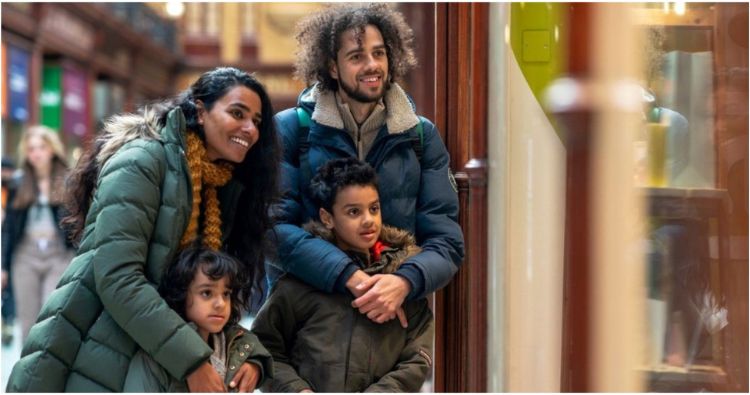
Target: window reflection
{"x": 692, "y": 168}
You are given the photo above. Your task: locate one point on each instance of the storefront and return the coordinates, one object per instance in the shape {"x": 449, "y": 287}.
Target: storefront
{"x": 606, "y": 239}
{"x": 71, "y": 65}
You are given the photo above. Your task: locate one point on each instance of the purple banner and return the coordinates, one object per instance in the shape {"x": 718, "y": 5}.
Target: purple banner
{"x": 75, "y": 102}
{"x": 18, "y": 84}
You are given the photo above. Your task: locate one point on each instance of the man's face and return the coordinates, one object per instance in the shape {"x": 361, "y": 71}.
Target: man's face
{"x": 361, "y": 68}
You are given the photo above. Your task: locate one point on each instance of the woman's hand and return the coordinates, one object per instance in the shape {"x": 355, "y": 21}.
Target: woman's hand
{"x": 205, "y": 379}
{"x": 247, "y": 376}
{"x": 385, "y": 293}
{"x": 307, "y": 390}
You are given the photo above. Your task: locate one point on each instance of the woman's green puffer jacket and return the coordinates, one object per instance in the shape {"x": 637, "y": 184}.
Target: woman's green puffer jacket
{"x": 106, "y": 304}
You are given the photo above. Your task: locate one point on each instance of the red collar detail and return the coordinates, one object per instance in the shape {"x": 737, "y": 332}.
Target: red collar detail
{"x": 377, "y": 249}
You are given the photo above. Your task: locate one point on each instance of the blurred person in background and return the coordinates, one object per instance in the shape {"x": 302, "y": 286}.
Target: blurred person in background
{"x": 8, "y": 170}
{"x": 8, "y": 303}
{"x": 35, "y": 248}
{"x": 197, "y": 168}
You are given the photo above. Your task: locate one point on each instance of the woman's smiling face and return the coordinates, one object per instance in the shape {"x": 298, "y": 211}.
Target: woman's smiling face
{"x": 232, "y": 125}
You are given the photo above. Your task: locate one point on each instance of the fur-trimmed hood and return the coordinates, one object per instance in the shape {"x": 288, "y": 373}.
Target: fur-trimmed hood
{"x": 120, "y": 129}
{"x": 402, "y": 246}
{"x": 401, "y": 114}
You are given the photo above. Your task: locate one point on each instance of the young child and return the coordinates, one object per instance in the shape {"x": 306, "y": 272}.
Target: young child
{"x": 203, "y": 286}
{"x": 318, "y": 341}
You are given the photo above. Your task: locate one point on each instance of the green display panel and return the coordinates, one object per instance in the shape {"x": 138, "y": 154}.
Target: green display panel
{"x": 538, "y": 34}
{"x": 50, "y": 99}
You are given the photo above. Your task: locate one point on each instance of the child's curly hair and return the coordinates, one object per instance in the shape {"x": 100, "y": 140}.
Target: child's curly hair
{"x": 337, "y": 174}
{"x": 318, "y": 40}
{"x": 215, "y": 265}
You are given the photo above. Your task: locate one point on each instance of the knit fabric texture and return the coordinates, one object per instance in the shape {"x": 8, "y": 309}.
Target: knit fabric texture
{"x": 206, "y": 176}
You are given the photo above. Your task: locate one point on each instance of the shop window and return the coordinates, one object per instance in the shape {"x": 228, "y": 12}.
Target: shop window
{"x": 692, "y": 168}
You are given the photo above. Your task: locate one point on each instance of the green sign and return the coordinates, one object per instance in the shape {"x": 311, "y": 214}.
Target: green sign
{"x": 50, "y": 99}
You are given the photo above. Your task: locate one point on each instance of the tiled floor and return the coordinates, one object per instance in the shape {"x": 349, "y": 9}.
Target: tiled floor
{"x": 10, "y": 355}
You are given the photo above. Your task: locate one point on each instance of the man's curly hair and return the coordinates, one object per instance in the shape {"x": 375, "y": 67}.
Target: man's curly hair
{"x": 319, "y": 40}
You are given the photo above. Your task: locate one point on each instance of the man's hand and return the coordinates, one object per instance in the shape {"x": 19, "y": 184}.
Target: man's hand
{"x": 352, "y": 284}
{"x": 4, "y": 278}
{"x": 247, "y": 376}
{"x": 307, "y": 391}
{"x": 385, "y": 293}
{"x": 205, "y": 379}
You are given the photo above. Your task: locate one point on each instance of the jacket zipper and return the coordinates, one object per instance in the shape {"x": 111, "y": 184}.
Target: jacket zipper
{"x": 353, "y": 321}
{"x": 236, "y": 336}
{"x": 385, "y": 145}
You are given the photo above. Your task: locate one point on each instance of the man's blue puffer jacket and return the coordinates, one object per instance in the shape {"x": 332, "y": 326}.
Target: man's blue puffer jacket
{"x": 415, "y": 195}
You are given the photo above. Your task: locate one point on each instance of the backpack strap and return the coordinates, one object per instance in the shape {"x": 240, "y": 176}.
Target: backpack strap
{"x": 303, "y": 145}
{"x": 417, "y": 143}
{"x": 303, "y": 118}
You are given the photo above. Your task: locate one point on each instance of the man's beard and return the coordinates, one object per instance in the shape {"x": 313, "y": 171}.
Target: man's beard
{"x": 363, "y": 97}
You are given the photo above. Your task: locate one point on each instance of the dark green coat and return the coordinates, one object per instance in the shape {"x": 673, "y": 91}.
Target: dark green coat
{"x": 106, "y": 304}
{"x": 318, "y": 341}
{"x": 145, "y": 375}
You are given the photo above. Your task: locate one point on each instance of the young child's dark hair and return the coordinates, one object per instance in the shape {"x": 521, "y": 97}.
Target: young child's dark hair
{"x": 215, "y": 265}
{"x": 336, "y": 175}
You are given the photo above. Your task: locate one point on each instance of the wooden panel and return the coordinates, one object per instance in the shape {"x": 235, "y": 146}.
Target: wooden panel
{"x": 577, "y": 273}
{"x": 695, "y": 15}
{"x": 441, "y": 71}
{"x": 441, "y": 50}
{"x": 420, "y": 82}
{"x": 461, "y": 112}
{"x": 576, "y": 124}
{"x": 731, "y": 123}
{"x": 19, "y": 20}
{"x": 202, "y": 48}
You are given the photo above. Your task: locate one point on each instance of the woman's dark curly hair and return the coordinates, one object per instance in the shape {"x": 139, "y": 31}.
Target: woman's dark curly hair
{"x": 319, "y": 40}
{"x": 258, "y": 172}
{"x": 337, "y": 174}
{"x": 215, "y": 265}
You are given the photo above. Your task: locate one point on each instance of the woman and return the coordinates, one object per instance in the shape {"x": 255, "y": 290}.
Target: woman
{"x": 35, "y": 249}
{"x": 203, "y": 168}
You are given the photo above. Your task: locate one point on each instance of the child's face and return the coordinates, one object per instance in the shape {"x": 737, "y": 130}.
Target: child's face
{"x": 355, "y": 220}
{"x": 208, "y": 303}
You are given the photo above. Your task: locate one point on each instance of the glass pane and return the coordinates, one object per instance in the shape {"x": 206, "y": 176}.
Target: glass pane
{"x": 692, "y": 168}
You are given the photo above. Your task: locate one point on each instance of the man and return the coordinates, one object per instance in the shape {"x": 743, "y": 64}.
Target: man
{"x": 350, "y": 56}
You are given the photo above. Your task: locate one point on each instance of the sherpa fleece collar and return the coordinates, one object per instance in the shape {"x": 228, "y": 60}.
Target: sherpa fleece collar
{"x": 400, "y": 110}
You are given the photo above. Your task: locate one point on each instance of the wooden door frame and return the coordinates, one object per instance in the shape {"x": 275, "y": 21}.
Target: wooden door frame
{"x": 461, "y": 75}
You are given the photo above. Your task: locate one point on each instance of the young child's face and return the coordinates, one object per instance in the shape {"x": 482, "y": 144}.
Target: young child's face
{"x": 356, "y": 218}
{"x": 208, "y": 303}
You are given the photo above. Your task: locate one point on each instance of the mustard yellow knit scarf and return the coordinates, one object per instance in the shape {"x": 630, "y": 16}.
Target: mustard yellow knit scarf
{"x": 203, "y": 172}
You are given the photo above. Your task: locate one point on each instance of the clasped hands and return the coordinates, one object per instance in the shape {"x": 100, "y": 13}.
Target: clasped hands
{"x": 380, "y": 296}
{"x": 205, "y": 379}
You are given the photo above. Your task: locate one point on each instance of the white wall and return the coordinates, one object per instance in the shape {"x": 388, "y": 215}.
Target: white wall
{"x": 498, "y": 160}
{"x": 525, "y": 228}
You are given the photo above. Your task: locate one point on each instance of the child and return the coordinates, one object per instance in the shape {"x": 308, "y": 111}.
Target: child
{"x": 318, "y": 341}
{"x": 202, "y": 287}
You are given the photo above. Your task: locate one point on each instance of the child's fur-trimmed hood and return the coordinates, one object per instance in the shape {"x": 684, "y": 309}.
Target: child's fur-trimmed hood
{"x": 402, "y": 244}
